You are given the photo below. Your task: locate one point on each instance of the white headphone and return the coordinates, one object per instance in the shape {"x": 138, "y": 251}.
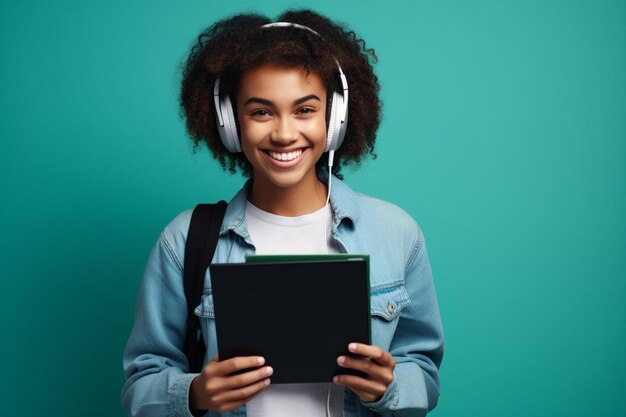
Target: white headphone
{"x": 337, "y": 123}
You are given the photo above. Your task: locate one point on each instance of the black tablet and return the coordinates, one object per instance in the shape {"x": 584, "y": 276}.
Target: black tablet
{"x": 300, "y": 315}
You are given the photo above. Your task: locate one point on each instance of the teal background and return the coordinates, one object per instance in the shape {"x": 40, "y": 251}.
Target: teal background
{"x": 503, "y": 135}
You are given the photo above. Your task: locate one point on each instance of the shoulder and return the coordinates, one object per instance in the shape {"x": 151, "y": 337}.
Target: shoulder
{"x": 385, "y": 211}
{"x": 389, "y": 222}
{"x": 179, "y": 224}
{"x": 376, "y": 219}
{"x": 174, "y": 235}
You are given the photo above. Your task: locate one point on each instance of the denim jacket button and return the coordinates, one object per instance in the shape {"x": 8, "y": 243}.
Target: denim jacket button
{"x": 390, "y": 308}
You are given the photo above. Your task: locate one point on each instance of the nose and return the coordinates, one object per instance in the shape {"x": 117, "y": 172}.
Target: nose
{"x": 284, "y": 132}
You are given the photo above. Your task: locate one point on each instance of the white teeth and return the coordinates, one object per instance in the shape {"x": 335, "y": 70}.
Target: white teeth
{"x": 285, "y": 156}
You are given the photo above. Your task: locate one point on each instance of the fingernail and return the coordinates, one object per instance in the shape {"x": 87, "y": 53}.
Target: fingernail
{"x": 335, "y": 379}
{"x": 267, "y": 381}
{"x": 269, "y": 370}
{"x": 341, "y": 359}
{"x": 352, "y": 347}
{"x": 261, "y": 360}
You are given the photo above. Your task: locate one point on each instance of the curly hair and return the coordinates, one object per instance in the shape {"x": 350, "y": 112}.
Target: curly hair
{"x": 237, "y": 44}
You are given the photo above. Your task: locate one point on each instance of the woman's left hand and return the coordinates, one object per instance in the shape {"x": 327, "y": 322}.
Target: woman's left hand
{"x": 376, "y": 363}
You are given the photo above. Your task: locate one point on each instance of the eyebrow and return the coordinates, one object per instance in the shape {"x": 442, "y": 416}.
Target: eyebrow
{"x": 269, "y": 103}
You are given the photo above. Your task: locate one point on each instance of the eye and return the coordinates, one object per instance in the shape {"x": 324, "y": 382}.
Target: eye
{"x": 260, "y": 113}
{"x": 306, "y": 110}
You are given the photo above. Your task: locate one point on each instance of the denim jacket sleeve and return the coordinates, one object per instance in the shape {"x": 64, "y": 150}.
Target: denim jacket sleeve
{"x": 157, "y": 383}
{"x": 417, "y": 345}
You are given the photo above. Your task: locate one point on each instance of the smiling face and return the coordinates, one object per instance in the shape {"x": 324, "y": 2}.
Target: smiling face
{"x": 282, "y": 120}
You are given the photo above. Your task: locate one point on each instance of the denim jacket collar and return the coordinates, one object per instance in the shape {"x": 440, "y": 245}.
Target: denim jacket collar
{"x": 343, "y": 202}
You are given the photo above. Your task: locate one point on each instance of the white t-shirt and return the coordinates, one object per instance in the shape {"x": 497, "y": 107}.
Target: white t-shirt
{"x": 307, "y": 234}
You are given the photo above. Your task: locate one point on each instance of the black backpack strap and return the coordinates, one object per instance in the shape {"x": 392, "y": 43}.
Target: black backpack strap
{"x": 202, "y": 237}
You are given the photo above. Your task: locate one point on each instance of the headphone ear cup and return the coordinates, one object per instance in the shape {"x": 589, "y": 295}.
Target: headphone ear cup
{"x": 336, "y": 128}
{"x": 228, "y": 132}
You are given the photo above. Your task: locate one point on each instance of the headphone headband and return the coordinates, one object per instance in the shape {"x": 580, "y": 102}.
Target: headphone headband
{"x": 289, "y": 24}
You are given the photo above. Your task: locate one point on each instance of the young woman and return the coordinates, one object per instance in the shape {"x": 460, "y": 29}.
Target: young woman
{"x": 288, "y": 103}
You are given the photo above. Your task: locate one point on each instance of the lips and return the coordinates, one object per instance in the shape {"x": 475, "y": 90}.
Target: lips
{"x": 285, "y": 156}
{"x": 285, "y": 159}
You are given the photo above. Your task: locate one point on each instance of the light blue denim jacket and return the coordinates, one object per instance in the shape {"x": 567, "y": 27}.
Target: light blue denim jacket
{"x": 404, "y": 312}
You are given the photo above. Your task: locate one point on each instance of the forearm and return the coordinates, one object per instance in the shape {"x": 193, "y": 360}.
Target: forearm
{"x": 157, "y": 382}
{"x": 417, "y": 345}
{"x": 165, "y": 393}
{"x": 407, "y": 395}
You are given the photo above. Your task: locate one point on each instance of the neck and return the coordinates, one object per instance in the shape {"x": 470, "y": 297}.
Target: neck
{"x": 308, "y": 196}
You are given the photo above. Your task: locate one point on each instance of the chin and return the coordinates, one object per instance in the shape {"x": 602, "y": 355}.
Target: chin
{"x": 285, "y": 181}
{"x": 286, "y": 178}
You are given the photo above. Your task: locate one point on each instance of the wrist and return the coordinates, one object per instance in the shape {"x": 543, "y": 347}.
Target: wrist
{"x": 193, "y": 396}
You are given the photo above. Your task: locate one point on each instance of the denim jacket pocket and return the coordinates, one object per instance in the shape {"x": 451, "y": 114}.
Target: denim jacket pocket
{"x": 206, "y": 313}
{"x": 389, "y": 301}
{"x": 205, "y": 309}
{"x": 386, "y": 303}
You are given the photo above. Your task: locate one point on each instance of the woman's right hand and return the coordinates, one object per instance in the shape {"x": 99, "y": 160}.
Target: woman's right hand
{"x": 217, "y": 390}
